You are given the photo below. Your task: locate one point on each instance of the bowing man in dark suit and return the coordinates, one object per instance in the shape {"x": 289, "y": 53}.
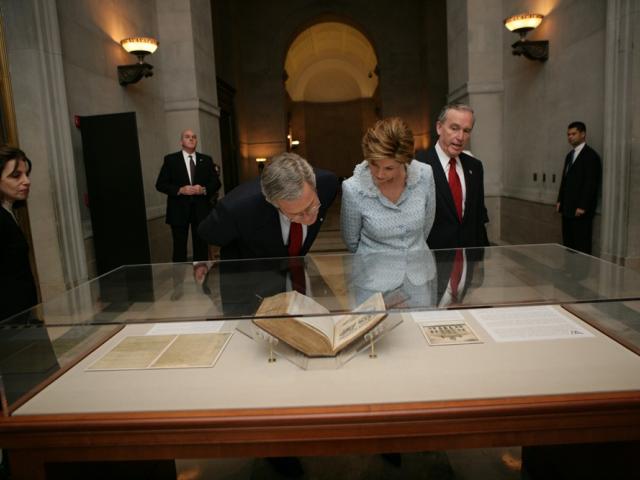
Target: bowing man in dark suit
{"x": 578, "y": 193}
{"x": 190, "y": 180}
{"x": 278, "y": 215}
{"x": 460, "y": 210}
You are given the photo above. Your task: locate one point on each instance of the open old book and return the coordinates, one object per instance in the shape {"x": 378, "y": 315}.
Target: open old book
{"x": 317, "y": 336}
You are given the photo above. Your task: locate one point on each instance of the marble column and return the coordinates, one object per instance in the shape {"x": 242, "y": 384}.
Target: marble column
{"x": 189, "y": 73}
{"x": 475, "y": 77}
{"x": 621, "y": 158}
{"x": 43, "y": 124}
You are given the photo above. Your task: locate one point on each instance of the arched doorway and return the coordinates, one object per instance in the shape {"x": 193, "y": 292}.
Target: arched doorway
{"x": 332, "y": 86}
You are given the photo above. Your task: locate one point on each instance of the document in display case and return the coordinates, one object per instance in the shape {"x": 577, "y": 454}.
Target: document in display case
{"x": 141, "y": 352}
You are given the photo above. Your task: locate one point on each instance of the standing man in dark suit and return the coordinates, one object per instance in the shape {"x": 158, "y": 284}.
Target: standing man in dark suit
{"x": 578, "y": 193}
{"x": 190, "y": 180}
{"x": 278, "y": 215}
{"x": 460, "y": 210}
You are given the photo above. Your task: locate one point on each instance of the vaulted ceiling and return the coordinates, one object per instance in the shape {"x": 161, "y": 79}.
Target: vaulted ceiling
{"x": 331, "y": 62}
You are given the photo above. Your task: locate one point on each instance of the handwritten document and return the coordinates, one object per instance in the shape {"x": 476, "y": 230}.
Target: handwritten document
{"x": 164, "y": 351}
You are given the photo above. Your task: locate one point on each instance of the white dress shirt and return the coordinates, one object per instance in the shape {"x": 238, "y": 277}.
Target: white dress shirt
{"x": 576, "y": 151}
{"x": 187, "y": 163}
{"x": 285, "y": 226}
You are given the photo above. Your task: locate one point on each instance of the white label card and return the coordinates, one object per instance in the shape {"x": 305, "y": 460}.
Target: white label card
{"x": 523, "y": 324}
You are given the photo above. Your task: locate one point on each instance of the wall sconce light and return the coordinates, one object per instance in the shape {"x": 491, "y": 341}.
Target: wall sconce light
{"x": 292, "y": 143}
{"x": 261, "y": 161}
{"x": 140, "y": 47}
{"x": 522, "y": 24}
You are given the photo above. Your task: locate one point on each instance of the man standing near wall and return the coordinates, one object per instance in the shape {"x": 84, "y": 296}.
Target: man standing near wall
{"x": 189, "y": 179}
{"x": 578, "y": 193}
{"x": 460, "y": 210}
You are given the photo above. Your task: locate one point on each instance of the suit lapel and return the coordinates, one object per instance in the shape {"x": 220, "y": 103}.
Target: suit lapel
{"x": 198, "y": 160}
{"x": 270, "y": 231}
{"x": 584, "y": 152}
{"x": 470, "y": 183}
{"x": 568, "y": 163}
{"x": 312, "y": 232}
{"x": 182, "y": 167}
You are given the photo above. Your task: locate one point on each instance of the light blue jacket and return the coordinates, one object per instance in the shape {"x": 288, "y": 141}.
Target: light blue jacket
{"x": 372, "y": 223}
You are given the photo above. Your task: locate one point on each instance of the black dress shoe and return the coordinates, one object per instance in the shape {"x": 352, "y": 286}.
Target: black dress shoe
{"x": 288, "y": 467}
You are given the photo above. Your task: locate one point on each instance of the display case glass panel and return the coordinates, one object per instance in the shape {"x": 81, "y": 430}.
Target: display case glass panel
{"x": 63, "y": 356}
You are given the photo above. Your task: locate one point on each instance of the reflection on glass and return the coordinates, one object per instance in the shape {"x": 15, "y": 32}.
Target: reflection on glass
{"x": 406, "y": 279}
{"x": 37, "y": 343}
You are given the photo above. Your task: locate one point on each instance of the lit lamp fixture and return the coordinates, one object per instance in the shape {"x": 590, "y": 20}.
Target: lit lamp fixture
{"x": 522, "y": 24}
{"x": 140, "y": 47}
{"x": 261, "y": 162}
{"x": 292, "y": 143}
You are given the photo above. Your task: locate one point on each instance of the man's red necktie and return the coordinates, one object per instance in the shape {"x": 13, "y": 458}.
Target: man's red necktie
{"x": 456, "y": 187}
{"x": 295, "y": 239}
{"x": 296, "y": 267}
{"x": 456, "y": 275}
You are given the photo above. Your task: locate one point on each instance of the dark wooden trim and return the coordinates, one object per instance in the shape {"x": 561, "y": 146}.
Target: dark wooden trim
{"x": 600, "y": 417}
{"x": 527, "y": 419}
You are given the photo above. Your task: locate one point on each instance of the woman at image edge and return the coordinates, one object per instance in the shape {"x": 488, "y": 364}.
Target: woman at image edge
{"x": 389, "y": 202}
{"x": 18, "y": 290}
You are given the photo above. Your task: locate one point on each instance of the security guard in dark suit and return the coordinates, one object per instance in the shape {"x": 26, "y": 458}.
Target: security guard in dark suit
{"x": 579, "y": 187}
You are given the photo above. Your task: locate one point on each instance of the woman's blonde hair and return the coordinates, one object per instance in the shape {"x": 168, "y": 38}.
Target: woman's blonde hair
{"x": 388, "y": 138}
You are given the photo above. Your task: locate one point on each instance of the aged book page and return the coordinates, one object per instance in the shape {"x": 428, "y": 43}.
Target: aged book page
{"x": 316, "y": 335}
{"x": 194, "y": 350}
{"x": 294, "y": 303}
{"x": 350, "y": 327}
{"x": 307, "y": 334}
{"x": 133, "y": 352}
{"x": 164, "y": 351}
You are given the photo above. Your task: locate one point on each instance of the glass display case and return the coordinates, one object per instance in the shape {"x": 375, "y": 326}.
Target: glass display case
{"x": 514, "y": 345}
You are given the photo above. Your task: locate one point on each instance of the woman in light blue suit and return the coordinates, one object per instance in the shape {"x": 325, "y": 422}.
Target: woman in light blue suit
{"x": 389, "y": 202}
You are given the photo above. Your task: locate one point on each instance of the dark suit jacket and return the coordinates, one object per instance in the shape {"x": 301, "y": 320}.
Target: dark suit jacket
{"x": 580, "y": 183}
{"x": 447, "y": 230}
{"x": 174, "y": 175}
{"x": 245, "y": 225}
{"x": 26, "y": 353}
{"x": 18, "y": 291}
